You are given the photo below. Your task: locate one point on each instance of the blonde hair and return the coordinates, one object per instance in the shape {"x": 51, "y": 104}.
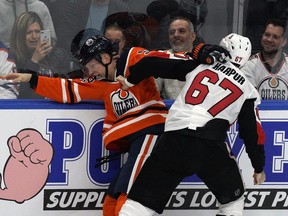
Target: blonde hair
{"x": 18, "y": 34}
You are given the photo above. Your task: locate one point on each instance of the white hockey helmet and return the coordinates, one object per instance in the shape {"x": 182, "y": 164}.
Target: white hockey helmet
{"x": 239, "y": 47}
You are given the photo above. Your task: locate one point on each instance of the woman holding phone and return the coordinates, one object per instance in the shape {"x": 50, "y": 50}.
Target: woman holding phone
{"x": 35, "y": 53}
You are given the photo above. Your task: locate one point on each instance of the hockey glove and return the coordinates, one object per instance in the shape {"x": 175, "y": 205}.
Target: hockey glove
{"x": 208, "y": 54}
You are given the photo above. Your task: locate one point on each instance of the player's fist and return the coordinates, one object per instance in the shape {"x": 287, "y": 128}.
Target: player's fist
{"x": 125, "y": 84}
{"x": 208, "y": 54}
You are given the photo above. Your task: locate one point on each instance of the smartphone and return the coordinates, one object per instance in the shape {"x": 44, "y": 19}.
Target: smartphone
{"x": 45, "y": 35}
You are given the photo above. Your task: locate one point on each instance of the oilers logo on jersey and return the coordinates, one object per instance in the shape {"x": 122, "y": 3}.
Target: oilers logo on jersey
{"x": 122, "y": 101}
{"x": 273, "y": 88}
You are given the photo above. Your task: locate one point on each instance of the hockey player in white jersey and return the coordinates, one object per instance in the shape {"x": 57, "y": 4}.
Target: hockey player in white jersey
{"x": 213, "y": 98}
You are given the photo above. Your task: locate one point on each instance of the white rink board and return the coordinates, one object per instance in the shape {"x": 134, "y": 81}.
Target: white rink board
{"x": 76, "y": 187}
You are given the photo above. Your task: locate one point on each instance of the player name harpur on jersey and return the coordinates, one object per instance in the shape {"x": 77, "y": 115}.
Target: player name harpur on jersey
{"x": 229, "y": 72}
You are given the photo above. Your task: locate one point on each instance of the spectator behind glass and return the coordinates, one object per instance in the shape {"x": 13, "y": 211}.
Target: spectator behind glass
{"x": 181, "y": 37}
{"x": 267, "y": 70}
{"x": 139, "y": 28}
{"x": 163, "y": 11}
{"x": 116, "y": 34}
{"x": 196, "y": 11}
{"x": 11, "y": 9}
{"x": 73, "y": 16}
{"x": 8, "y": 90}
{"x": 256, "y": 14}
{"x": 30, "y": 54}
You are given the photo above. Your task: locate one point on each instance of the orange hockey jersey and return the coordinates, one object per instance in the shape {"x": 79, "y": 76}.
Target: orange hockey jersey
{"x": 128, "y": 112}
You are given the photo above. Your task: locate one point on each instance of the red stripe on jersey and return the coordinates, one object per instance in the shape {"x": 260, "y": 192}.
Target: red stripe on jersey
{"x": 161, "y": 54}
{"x": 261, "y": 134}
{"x": 260, "y": 131}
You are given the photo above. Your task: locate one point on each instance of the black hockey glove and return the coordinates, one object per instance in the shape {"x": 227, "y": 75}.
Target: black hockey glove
{"x": 208, "y": 54}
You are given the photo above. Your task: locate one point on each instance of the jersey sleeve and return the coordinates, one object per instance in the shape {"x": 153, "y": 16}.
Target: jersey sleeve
{"x": 252, "y": 133}
{"x": 163, "y": 65}
{"x": 69, "y": 90}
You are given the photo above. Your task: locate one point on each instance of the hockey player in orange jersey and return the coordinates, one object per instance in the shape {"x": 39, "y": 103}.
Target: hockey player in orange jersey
{"x": 135, "y": 118}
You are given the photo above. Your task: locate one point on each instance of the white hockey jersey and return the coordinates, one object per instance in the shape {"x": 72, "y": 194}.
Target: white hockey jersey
{"x": 213, "y": 98}
{"x": 8, "y": 89}
{"x": 193, "y": 108}
{"x": 225, "y": 83}
{"x": 271, "y": 86}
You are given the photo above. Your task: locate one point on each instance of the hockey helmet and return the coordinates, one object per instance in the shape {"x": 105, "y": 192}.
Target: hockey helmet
{"x": 80, "y": 39}
{"x": 93, "y": 48}
{"x": 239, "y": 47}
